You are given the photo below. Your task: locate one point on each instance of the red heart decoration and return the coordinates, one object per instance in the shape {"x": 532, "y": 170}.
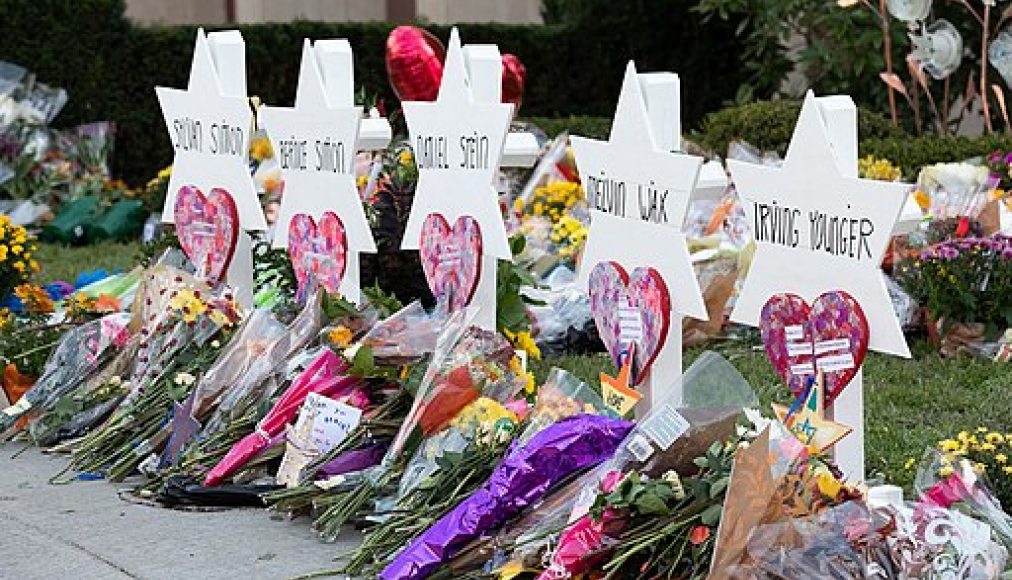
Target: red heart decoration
{"x": 831, "y": 336}
{"x": 513, "y": 75}
{"x": 414, "y": 63}
{"x": 630, "y": 309}
{"x": 319, "y": 251}
{"x": 451, "y": 258}
{"x": 207, "y": 228}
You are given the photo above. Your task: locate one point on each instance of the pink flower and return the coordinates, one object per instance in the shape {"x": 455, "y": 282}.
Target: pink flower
{"x": 611, "y": 479}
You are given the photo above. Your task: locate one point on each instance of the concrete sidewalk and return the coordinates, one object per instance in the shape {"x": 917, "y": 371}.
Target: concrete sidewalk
{"x": 83, "y": 530}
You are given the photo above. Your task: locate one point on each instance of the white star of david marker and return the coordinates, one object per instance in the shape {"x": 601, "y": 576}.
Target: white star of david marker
{"x": 457, "y": 143}
{"x": 817, "y": 230}
{"x": 210, "y": 134}
{"x": 314, "y": 143}
{"x": 638, "y": 196}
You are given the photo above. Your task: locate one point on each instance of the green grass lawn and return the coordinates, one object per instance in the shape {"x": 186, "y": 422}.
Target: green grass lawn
{"x": 65, "y": 263}
{"x": 910, "y": 404}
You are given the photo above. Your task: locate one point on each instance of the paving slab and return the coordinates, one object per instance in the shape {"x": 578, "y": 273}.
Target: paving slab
{"x": 84, "y": 530}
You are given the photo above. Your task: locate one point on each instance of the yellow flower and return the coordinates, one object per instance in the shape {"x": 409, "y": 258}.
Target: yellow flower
{"x": 987, "y": 447}
{"x": 188, "y": 304}
{"x": 922, "y": 198}
{"x": 1007, "y": 469}
{"x": 3, "y": 253}
{"x": 982, "y": 429}
{"x": 260, "y": 149}
{"x": 518, "y": 205}
{"x": 341, "y": 336}
{"x": 1001, "y": 458}
{"x": 980, "y": 467}
{"x": 948, "y": 445}
{"x": 405, "y": 157}
{"x": 828, "y": 485}
{"x": 525, "y": 342}
{"x": 910, "y": 464}
{"x": 963, "y": 436}
{"x": 529, "y": 385}
{"x": 19, "y": 266}
{"x": 17, "y": 249}
{"x": 945, "y": 471}
{"x": 995, "y": 438}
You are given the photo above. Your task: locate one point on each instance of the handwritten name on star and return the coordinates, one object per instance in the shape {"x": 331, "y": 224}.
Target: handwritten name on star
{"x": 846, "y": 236}
{"x": 473, "y": 151}
{"x": 321, "y": 155}
{"x": 612, "y": 196}
{"x": 220, "y": 137}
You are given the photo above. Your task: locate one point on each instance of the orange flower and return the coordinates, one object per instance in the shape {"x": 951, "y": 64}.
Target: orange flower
{"x": 34, "y": 298}
{"x": 699, "y": 535}
{"x": 107, "y": 303}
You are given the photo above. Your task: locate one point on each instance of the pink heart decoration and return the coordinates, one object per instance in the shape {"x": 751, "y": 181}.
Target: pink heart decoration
{"x": 319, "y": 250}
{"x": 207, "y": 228}
{"x": 451, "y": 258}
{"x": 630, "y": 309}
{"x": 831, "y": 336}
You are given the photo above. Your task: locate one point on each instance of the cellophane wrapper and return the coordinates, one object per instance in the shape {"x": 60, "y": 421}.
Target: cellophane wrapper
{"x": 518, "y": 482}
{"x": 714, "y": 394}
{"x": 406, "y": 335}
{"x": 81, "y": 352}
{"x": 467, "y": 363}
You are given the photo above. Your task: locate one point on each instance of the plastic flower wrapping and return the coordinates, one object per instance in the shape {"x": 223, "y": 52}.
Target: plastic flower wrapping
{"x": 80, "y": 353}
{"x": 467, "y": 363}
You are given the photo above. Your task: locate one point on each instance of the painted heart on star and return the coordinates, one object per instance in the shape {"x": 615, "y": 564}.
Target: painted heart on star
{"x": 630, "y": 309}
{"x": 831, "y": 335}
{"x": 207, "y": 228}
{"x": 319, "y": 251}
{"x": 451, "y": 258}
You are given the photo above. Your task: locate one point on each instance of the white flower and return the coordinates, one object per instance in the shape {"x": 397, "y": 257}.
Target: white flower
{"x": 115, "y": 381}
{"x": 215, "y": 344}
{"x": 954, "y": 177}
{"x": 184, "y": 379}
{"x": 676, "y": 484}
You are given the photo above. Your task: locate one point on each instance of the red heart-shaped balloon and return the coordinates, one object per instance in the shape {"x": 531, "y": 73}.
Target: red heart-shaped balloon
{"x": 831, "y": 335}
{"x": 207, "y": 228}
{"x": 414, "y": 63}
{"x": 513, "y": 75}
{"x": 451, "y": 258}
{"x": 630, "y": 309}
{"x": 319, "y": 251}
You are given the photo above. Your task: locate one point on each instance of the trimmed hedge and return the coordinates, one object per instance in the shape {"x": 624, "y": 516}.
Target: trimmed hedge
{"x": 769, "y": 125}
{"x": 913, "y": 153}
{"x": 109, "y": 66}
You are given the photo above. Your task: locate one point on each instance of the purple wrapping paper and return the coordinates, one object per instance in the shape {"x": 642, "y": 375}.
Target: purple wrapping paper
{"x": 353, "y": 460}
{"x": 518, "y": 482}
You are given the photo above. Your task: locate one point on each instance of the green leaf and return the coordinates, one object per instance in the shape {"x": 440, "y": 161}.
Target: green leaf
{"x": 649, "y": 504}
{"x": 711, "y": 515}
{"x": 719, "y": 486}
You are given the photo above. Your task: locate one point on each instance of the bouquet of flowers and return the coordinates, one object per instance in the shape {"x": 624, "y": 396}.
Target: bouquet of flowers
{"x": 80, "y": 353}
{"x": 964, "y": 284}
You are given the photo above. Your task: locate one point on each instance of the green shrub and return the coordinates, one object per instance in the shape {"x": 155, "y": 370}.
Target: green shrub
{"x": 769, "y": 125}
{"x": 913, "y": 153}
{"x": 110, "y": 67}
{"x": 593, "y": 127}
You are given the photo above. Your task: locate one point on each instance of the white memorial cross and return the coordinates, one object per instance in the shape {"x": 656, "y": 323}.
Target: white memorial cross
{"x": 458, "y": 143}
{"x": 638, "y": 190}
{"x": 315, "y": 145}
{"x": 791, "y": 211}
{"x": 209, "y": 124}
